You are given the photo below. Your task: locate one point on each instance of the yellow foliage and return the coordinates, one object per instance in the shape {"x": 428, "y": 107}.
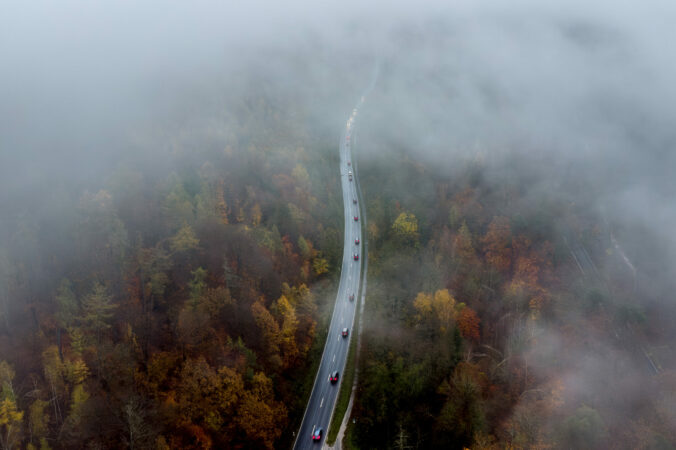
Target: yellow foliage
{"x": 38, "y": 418}
{"x": 78, "y": 399}
{"x": 301, "y": 176}
{"x": 184, "y": 239}
{"x": 439, "y": 307}
{"x": 256, "y": 215}
{"x": 77, "y": 371}
{"x": 320, "y": 266}
{"x": 406, "y": 226}
{"x": 10, "y": 422}
{"x": 9, "y": 414}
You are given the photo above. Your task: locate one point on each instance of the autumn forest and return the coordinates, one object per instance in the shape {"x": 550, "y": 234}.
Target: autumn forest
{"x": 171, "y": 225}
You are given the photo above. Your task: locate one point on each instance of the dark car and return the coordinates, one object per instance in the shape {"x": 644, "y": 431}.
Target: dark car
{"x": 356, "y": 257}
{"x": 351, "y": 297}
{"x": 317, "y": 435}
{"x": 345, "y": 332}
{"x": 349, "y": 163}
{"x": 333, "y": 377}
{"x": 354, "y": 200}
{"x": 356, "y": 241}
{"x": 356, "y": 218}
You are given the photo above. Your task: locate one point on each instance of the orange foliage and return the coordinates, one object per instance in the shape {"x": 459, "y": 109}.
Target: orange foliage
{"x": 497, "y": 244}
{"x": 468, "y": 323}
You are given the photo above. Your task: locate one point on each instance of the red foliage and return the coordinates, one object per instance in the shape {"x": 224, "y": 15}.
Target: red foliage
{"x": 468, "y": 323}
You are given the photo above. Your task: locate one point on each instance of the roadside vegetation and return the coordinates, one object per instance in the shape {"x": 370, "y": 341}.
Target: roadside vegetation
{"x": 168, "y": 306}
{"x": 482, "y": 331}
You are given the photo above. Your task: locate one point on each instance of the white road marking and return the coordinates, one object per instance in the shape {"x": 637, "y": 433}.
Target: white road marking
{"x": 334, "y": 358}
{"x": 321, "y": 404}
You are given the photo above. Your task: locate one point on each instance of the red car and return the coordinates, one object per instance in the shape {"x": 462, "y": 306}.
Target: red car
{"x": 356, "y": 218}
{"x": 356, "y": 257}
{"x": 349, "y": 163}
{"x": 345, "y": 332}
{"x": 356, "y": 241}
{"x": 351, "y": 297}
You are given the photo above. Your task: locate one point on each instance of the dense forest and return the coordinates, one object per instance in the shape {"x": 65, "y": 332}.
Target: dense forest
{"x": 171, "y": 222}
{"x": 500, "y": 314}
{"x": 169, "y": 305}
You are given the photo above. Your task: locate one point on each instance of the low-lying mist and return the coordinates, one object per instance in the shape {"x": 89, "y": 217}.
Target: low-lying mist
{"x": 576, "y": 97}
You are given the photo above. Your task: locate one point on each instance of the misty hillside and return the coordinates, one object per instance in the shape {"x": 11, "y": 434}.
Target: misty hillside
{"x": 171, "y": 224}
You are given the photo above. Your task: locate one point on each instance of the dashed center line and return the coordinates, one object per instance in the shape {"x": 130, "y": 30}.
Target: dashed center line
{"x": 321, "y": 403}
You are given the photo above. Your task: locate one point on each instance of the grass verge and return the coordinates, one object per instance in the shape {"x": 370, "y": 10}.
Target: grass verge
{"x": 346, "y": 385}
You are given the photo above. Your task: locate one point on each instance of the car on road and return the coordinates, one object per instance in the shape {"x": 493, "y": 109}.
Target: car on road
{"x": 351, "y": 297}
{"x": 356, "y": 241}
{"x": 349, "y": 163}
{"x": 356, "y": 218}
{"x": 354, "y": 200}
{"x": 356, "y": 256}
{"x": 344, "y": 332}
{"x": 350, "y": 177}
{"x": 333, "y": 377}
{"x": 317, "y": 435}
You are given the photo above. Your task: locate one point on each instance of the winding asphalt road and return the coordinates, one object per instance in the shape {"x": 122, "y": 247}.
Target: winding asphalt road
{"x": 324, "y": 393}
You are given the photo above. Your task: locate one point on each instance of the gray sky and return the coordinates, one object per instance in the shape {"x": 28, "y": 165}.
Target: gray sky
{"x": 590, "y": 83}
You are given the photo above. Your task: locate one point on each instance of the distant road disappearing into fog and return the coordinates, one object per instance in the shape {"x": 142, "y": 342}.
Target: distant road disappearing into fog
{"x": 324, "y": 394}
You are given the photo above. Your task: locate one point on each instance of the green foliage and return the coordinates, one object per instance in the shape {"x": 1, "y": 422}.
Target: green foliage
{"x": 6, "y": 376}
{"x": 268, "y": 238}
{"x": 178, "y": 204}
{"x": 197, "y": 285}
{"x": 113, "y": 344}
{"x": 304, "y": 247}
{"x": 154, "y": 264}
{"x": 66, "y": 303}
{"x": 38, "y": 419}
{"x": 462, "y": 415}
{"x": 78, "y": 398}
{"x": 184, "y": 240}
{"x": 631, "y": 314}
{"x": 584, "y": 430}
{"x": 97, "y": 310}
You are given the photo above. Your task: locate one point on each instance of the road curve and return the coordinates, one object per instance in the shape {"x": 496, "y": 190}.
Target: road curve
{"x": 324, "y": 393}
